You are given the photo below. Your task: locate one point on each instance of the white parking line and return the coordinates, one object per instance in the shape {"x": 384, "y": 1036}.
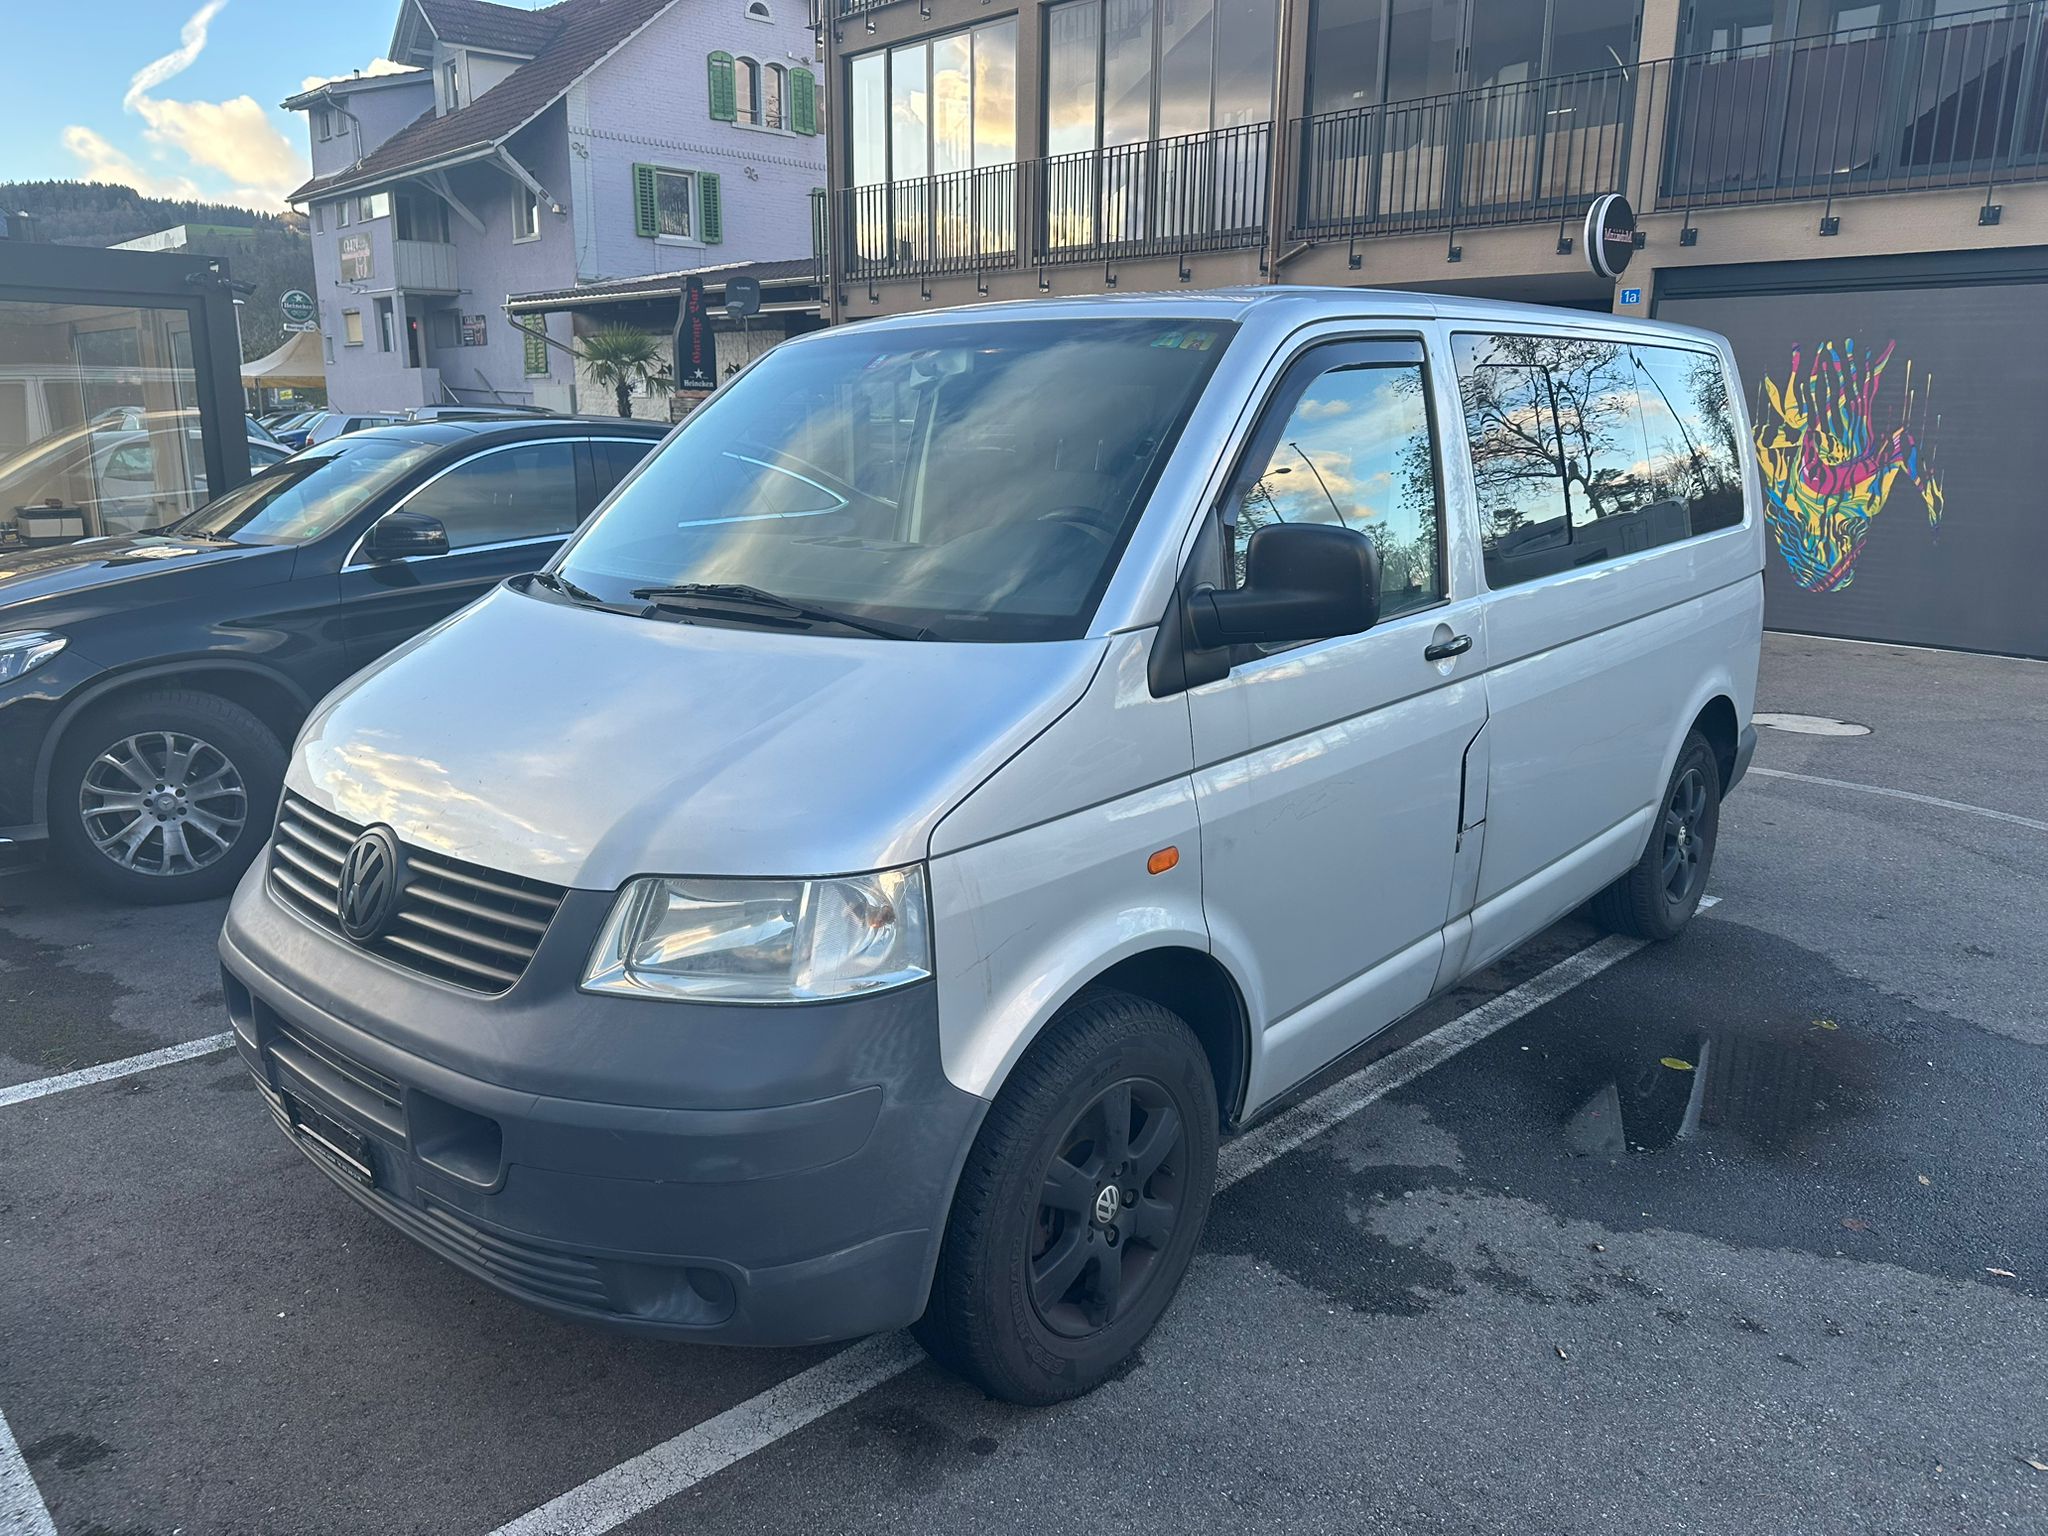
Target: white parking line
{"x": 677, "y": 1465}
{"x": 107, "y": 1071}
{"x": 22, "y": 1511}
{"x": 1903, "y": 794}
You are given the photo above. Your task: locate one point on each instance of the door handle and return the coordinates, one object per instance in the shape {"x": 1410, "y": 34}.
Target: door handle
{"x": 1444, "y": 650}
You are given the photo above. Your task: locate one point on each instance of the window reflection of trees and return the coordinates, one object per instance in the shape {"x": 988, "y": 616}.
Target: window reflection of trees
{"x": 1356, "y": 451}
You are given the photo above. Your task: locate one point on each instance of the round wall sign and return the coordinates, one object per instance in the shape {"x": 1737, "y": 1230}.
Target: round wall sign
{"x": 1610, "y": 235}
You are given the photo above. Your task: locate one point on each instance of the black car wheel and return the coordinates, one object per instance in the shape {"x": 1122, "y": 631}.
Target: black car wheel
{"x": 1080, "y": 1205}
{"x": 165, "y": 796}
{"x": 1657, "y": 898}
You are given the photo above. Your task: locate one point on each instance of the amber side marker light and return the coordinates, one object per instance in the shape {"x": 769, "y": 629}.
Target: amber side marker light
{"x": 1162, "y": 861}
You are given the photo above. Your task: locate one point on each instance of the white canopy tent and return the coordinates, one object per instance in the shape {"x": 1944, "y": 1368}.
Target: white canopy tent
{"x": 295, "y": 365}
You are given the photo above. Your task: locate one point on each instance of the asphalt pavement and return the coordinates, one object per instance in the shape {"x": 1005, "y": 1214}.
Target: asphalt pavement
{"x": 1742, "y": 1233}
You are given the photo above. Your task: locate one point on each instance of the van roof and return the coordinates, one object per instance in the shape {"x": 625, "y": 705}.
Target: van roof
{"x": 1299, "y": 304}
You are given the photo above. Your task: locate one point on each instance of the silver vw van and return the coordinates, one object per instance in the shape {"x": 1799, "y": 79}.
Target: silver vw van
{"x": 977, "y": 762}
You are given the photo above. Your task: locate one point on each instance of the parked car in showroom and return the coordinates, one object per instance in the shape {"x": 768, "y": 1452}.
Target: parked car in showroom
{"x": 149, "y": 684}
{"x": 339, "y": 423}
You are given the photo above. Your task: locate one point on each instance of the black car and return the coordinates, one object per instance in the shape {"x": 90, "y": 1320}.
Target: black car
{"x": 150, "y": 685}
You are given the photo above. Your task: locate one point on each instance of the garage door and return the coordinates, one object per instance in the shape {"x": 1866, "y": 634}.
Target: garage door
{"x": 1897, "y": 405}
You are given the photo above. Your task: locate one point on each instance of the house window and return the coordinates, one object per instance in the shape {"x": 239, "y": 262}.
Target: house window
{"x": 420, "y": 218}
{"x": 525, "y": 214}
{"x": 341, "y": 211}
{"x": 773, "y": 81}
{"x": 757, "y": 10}
{"x": 929, "y": 108}
{"x": 387, "y": 327}
{"x": 683, "y": 205}
{"x": 352, "y": 327}
{"x": 451, "y": 84}
{"x": 373, "y": 205}
{"x": 319, "y": 218}
{"x": 323, "y": 124}
{"x": 747, "y": 91}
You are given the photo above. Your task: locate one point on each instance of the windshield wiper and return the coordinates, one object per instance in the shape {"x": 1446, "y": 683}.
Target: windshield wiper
{"x": 731, "y": 599}
{"x": 568, "y": 589}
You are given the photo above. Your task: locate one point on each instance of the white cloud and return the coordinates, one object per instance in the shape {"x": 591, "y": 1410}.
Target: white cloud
{"x": 235, "y": 138}
{"x": 101, "y": 161}
{"x": 374, "y": 67}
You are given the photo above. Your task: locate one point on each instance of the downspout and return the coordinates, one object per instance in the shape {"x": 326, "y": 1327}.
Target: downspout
{"x": 519, "y": 324}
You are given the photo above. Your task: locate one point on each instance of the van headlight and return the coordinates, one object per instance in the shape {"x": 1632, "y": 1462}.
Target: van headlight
{"x": 23, "y": 653}
{"x": 764, "y": 941}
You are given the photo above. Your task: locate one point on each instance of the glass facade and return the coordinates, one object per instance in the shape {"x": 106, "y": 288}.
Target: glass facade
{"x": 936, "y": 106}
{"x": 99, "y": 420}
{"x": 1129, "y": 71}
{"x": 1365, "y": 52}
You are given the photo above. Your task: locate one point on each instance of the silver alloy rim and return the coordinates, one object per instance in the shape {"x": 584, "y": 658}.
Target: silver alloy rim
{"x": 163, "y": 803}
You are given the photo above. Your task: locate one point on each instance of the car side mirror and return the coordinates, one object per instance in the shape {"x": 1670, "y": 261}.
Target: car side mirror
{"x": 1302, "y": 581}
{"x": 397, "y": 535}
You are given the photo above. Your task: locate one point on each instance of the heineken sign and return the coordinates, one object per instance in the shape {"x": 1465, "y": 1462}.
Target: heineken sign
{"x": 298, "y": 307}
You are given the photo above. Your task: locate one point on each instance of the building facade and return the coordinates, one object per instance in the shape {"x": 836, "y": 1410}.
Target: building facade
{"x": 1855, "y": 191}
{"x": 524, "y": 151}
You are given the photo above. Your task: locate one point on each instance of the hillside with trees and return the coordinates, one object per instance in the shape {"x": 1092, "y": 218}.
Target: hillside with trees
{"x": 268, "y": 250}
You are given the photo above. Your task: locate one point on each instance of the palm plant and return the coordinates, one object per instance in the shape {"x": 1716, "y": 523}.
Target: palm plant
{"x": 617, "y": 357}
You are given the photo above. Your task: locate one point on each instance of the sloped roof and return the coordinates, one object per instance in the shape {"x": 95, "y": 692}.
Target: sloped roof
{"x": 585, "y": 32}
{"x": 480, "y": 24}
{"x": 665, "y": 285}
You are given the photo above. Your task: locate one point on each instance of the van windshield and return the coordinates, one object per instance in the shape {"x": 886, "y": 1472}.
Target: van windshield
{"x": 962, "y": 482}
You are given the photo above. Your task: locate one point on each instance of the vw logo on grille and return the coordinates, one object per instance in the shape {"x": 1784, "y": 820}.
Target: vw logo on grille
{"x": 371, "y": 877}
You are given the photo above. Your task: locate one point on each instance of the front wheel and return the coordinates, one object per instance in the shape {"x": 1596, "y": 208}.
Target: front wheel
{"x": 165, "y": 796}
{"x": 1080, "y": 1205}
{"x": 1657, "y": 898}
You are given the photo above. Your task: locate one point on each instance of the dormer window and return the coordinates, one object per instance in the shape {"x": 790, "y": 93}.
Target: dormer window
{"x": 451, "y": 85}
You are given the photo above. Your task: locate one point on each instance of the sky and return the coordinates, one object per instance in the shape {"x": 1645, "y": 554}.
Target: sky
{"x": 174, "y": 97}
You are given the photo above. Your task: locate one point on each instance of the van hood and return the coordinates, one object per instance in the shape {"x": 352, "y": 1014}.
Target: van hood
{"x": 583, "y": 747}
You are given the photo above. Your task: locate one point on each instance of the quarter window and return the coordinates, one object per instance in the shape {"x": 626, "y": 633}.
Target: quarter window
{"x": 527, "y": 492}
{"x": 1355, "y": 450}
{"x": 1585, "y": 450}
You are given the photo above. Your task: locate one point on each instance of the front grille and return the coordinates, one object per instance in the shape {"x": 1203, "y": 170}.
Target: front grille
{"x": 471, "y": 927}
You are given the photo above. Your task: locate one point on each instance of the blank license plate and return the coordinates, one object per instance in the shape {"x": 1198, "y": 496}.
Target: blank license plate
{"x": 347, "y": 1149}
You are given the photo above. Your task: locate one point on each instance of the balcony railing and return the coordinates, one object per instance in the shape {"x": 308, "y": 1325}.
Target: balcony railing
{"x": 1504, "y": 154}
{"x": 964, "y": 221}
{"x": 424, "y": 266}
{"x": 1959, "y": 100}
{"x": 1197, "y": 192}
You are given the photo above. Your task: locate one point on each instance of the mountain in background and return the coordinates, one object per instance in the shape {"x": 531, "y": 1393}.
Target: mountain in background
{"x": 269, "y": 250}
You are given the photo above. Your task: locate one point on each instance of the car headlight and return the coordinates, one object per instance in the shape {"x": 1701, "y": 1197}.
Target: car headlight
{"x": 764, "y": 941}
{"x": 23, "y": 653}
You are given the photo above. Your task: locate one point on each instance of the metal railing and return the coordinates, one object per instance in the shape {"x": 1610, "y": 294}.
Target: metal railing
{"x": 1163, "y": 197}
{"x": 963, "y": 221}
{"x": 1952, "y": 101}
{"x": 1501, "y": 154}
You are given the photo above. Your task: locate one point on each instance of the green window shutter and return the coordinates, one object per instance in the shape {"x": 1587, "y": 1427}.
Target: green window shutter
{"x": 724, "y": 99}
{"x": 803, "y": 101}
{"x": 710, "y": 209}
{"x": 536, "y": 354}
{"x": 646, "y": 208}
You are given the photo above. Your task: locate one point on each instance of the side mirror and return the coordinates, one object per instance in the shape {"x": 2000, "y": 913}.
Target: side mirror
{"x": 399, "y": 534}
{"x": 1302, "y": 581}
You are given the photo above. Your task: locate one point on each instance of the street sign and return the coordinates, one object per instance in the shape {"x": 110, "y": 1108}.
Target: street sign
{"x": 1610, "y": 235}
{"x": 299, "y": 308}
{"x": 742, "y": 296}
{"x": 696, "y": 351}
{"x": 302, "y": 325}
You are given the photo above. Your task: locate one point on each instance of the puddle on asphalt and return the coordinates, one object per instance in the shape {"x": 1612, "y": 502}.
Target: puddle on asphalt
{"x": 1651, "y": 1090}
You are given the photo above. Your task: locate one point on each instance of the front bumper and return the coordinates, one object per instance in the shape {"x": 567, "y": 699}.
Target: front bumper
{"x": 730, "y": 1174}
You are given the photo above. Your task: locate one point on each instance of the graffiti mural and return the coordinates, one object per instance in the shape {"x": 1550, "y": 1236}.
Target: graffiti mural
{"x": 1829, "y": 466}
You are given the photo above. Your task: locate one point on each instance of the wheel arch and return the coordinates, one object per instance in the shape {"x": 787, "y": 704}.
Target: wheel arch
{"x": 270, "y": 696}
{"x": 1717, "y": 722}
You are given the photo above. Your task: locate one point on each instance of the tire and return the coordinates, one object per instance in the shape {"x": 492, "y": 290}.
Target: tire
{"x": 1037, "y": 1343}
{"x": 117, "y": 779}
{"x": 1657, "y": 898}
